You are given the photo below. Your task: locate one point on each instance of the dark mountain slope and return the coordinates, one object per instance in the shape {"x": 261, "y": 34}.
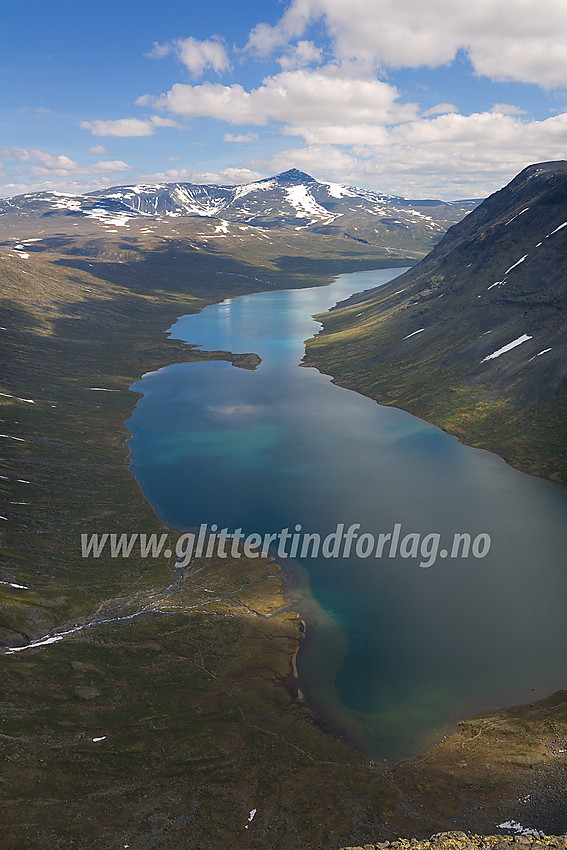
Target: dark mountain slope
{"x": 474, "y": 338}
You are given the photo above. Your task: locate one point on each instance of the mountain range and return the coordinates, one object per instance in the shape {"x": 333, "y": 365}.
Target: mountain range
{"x": 291, "y": 200}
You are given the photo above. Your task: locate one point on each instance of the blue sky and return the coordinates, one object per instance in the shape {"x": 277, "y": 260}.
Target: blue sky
{"x": 444, "y": 98}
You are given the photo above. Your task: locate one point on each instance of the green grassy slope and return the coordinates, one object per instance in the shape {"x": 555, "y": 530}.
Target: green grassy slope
{"x": 420, "y": 343}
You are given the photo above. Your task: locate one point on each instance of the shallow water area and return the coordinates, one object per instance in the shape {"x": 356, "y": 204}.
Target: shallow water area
{"x": 395, "y": 650}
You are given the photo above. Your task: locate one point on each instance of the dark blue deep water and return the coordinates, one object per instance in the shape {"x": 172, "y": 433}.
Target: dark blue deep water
{"x": 395, "y": 651}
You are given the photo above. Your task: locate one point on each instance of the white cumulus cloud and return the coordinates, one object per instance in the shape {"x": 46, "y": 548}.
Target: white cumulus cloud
{"x": 240, "y": 138}
{"x": 301, "y": 54}
{"x": 233, "y": 176}
{"x": 41, "y": 163}
{"x": 327, "y": 96}
{"x": 520, "y": 40}
{"x": 441, "y": 109}
{"x": 196, "y": 55}
{"x": 73, "y": 186}
{"x": 507, "y": 109}
{"x": 19, "y": 154}
{"x": 127, "y": 127}
{"x": 447, "y": 156}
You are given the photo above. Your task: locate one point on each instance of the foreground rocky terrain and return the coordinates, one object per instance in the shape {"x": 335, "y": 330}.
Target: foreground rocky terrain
{"x": 463, "y": 841}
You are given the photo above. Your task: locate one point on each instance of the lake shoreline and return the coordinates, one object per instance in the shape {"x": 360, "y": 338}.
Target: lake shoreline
{"x": 523, "y": 435}
{"x": 210, "y": 338}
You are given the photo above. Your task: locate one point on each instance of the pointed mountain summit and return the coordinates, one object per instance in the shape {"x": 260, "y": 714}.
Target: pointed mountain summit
{"x": 293, "y": 176}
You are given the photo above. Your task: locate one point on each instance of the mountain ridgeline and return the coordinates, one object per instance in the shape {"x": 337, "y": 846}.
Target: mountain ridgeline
{"x": 291, "y": 203}
{"x": 474, "y": 337}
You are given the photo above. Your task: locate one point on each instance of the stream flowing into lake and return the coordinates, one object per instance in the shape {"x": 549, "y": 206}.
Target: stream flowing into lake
{"x": 401, "y": 644}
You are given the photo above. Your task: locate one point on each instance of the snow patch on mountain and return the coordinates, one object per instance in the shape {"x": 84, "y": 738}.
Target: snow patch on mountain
{"x": 337, "y": 190}
{"x": 301, "y": 199}
{"x": 508, "y": 347}
{"x": 261, "y": 186}
{"x": 107, "y": 217}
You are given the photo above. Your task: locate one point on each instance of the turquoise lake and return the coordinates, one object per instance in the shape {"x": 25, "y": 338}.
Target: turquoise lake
{"x": 395, "y": 652}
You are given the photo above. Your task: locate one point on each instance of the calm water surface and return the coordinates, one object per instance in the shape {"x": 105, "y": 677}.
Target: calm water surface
{"x": 395, "y": 652}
